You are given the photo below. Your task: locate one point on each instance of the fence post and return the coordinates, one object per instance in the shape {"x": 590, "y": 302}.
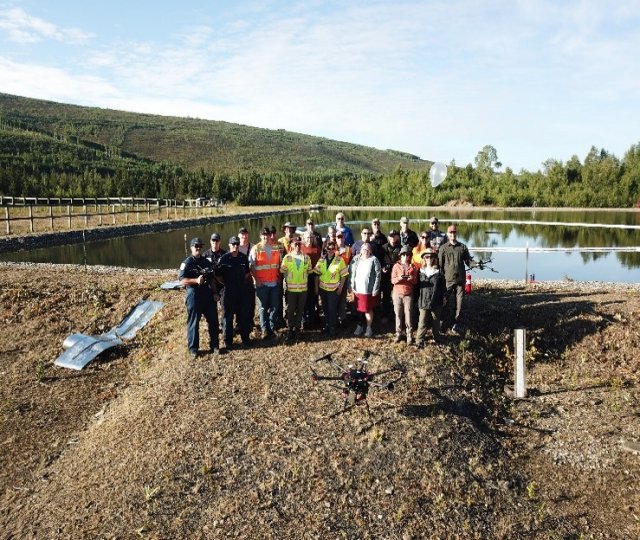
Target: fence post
{"x": 113, "y": 214}
{"x": 100, "y": 214}
{"x": 148, "y": 211}
{"x": 520, "y": 376}
{"x": 31, "y": 218}
{"x": 86, "y": 217}
{"x": 126, "y": 213}
{"x": 8, "y": 218}
{"x": 51, "y": 217}
{"x": 69, "y": 215}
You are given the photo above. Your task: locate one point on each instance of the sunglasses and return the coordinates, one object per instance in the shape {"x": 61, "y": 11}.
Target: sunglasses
{"x": 424, "y": 237}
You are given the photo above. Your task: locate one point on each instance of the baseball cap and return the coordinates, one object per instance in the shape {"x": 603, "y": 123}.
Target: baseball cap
{"x": 405, "y": 250}
{"x": 393, "y": 232}
{"x": 404, "y": 219}
{"x": 288, "y": 225}
{"x": 243, "y": 230}
{"x": 215, "y": 236}
{"x": 196, "y": 241}
{"x": 434, "y": 220}
{"x": 375, "y": 220}
{"x": 234, "y": 240}
{"x": 266, "y": 231}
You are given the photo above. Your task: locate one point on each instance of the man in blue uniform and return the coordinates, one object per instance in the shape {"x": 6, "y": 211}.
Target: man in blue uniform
{"x": 233, "y": 271}
{"x": 201, "y": 297}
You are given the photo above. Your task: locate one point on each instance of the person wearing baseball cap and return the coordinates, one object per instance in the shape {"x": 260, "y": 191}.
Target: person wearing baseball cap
{"x": 436, "y": 236}
{"x": 201, "y": 296}
{"x": 407, "y": 236}
{"x": 390, "y": 255}
{"x": 264, "y": 262}
{"x": 216, "y": 251}
{"x": 452, "y": 258}
{"x": 238, "y": 300}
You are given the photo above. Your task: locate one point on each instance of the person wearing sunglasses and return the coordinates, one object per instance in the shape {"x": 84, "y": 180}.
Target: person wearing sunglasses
{"x": 436, "y": 236}
{"x": 365, "y": 238}
{"x": 296, "y": 268}
{"x": 332, "y": 274}
{"x": 197, "y": 275}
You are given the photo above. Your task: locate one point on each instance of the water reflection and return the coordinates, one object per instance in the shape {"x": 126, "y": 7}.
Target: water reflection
{"x": 167, "y": 249}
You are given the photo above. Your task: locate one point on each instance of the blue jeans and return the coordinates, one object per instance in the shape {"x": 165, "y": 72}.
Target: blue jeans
{"x": 269, "y": 304}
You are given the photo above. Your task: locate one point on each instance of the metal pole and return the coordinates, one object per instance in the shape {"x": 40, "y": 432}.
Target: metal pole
{"x": 520, "y": 377}
{"x": 526, "y": 264}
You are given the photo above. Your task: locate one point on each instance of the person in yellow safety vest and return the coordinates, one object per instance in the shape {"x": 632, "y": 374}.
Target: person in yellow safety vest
{"x": 296, "y": 267}
{"x": 423, "y": 245}
{"x": 332, "y": 273}
{"x": 287, "y": 240}
{"x": 264, "y": 263}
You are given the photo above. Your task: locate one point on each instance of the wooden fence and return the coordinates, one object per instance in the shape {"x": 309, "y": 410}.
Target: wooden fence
{"x": 31, "y": 214}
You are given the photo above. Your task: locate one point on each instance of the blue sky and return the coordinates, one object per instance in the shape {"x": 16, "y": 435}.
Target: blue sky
{"x": 440, "y": 79}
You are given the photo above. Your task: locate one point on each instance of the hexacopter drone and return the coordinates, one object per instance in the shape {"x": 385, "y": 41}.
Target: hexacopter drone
{"x": 356, "y": 377}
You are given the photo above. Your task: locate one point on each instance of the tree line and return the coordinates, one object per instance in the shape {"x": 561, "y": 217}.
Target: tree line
{"x": 34, "y": 165}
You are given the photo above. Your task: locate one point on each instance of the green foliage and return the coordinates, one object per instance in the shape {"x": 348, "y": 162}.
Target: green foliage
{"x": 50, "y": 149}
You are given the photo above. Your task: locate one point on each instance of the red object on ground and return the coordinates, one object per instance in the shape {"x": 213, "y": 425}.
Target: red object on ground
{"x": 467, "y": 284}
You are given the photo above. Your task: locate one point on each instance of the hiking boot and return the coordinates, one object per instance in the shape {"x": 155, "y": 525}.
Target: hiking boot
{"x": 359, "y": 330}
{"x": 409, "y": 339}
{"x": 368, "y": 332}
{"x": 456, "y": 329}
{"x": 398, "y": 338}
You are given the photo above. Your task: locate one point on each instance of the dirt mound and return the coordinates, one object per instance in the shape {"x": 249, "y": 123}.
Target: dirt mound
{"x": 150, "y": 443}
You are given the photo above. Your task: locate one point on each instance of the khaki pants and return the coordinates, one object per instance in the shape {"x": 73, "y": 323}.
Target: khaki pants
{"x": 402, "y": 306}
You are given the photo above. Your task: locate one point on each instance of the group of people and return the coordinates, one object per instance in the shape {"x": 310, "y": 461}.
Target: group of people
{"x": 302, "y": 280}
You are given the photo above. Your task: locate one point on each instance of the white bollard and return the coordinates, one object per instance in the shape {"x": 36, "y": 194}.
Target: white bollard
{"x": 520, "y": 376}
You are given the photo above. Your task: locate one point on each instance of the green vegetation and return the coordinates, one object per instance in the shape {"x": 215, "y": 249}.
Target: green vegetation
{"x": 51, "y": 149}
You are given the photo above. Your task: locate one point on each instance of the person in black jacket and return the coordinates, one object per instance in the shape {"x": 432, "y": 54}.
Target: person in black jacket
{"x": 432, "y": 288}
{"x": 196, "y": 274}
{"x": 408, "y": 237}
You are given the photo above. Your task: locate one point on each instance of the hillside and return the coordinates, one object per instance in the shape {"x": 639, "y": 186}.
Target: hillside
{"x": 193, "y": 143}
{"x": 148, "y": 443}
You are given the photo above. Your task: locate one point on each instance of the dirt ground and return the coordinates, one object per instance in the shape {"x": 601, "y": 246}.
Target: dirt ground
{"x": 147, "y": 442}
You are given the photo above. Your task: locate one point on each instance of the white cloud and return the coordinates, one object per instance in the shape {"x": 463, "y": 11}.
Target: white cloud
{"x": 27, "y": 80}
{"x": 24, "y": 28}
{"x": 439, "y": 79}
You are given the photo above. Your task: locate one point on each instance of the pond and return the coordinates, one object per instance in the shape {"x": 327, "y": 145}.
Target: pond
{"x": 581, "y": 245}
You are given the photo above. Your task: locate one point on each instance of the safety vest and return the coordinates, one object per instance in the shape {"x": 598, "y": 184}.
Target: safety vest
{"x": 296, "y": 271}
{"x": 285, "y": 245}
{"x": 330, "y": 275}
{"x": 266, "y": 268}
{"x": 346, "y": 255}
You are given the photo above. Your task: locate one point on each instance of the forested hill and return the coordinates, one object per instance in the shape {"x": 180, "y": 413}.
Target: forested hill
{"x": 196, "y": 144}
{"x": 51, "y": 149}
